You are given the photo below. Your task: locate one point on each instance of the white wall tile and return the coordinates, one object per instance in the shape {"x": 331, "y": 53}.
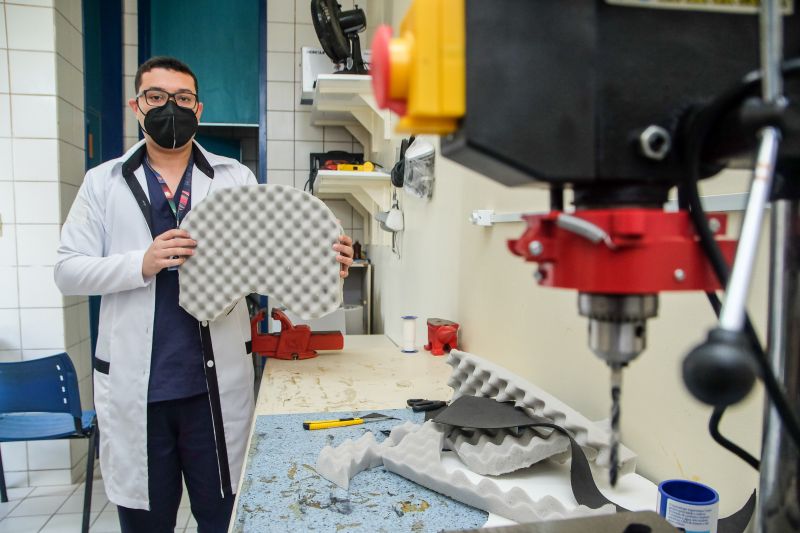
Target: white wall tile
{"x": 40, "y": 3}
{"x": 130, "y": 33}
{"x": 30, "y": 28}
{"x": 10, "y": 356}
{"x": 5, "y": 115}
{"x": 304, "y": 35}
{"x": 4, "y": 87}
{"x": 32, "y": 72}
{"x": 281, "y": 177}
{"x": 37, "y": 288}
{"x": 8, "y": 245}
{"x": 280, "y": 155}
{"x": 28, "y": 523}
{"x": 71, "y": 163}
{"x": 72, "y": 10}
{"x": 69, "y": 41}
{"x": 15, "y": 456}
{"x": 71, "y": 123}
{"x": 48, "y": 455}
{"x": 68, "y": 194}
{"x": 302, "y": 14}
{"x": 83, "y": 325}
{"x": 337, "y": 134}
{"x": 298, "y": 93}
{"x": 72, "y": 327}
{"x": 280, "y": 66}
{"x": 9, "y": 330}
{"x": 8, "y": 288}
{"x": 7, "y": 210}
{"x": 280, "y": 95}
{"x": 280, "y": 125}
{"x": 300, "y": 179}
{"x": 128, "y": 88}
{"x": 131, "y": 124}
{"x": 131, "y": 56}
{"x": 280, "y": 37}
{"x": 37, "y": 244}
{"x": 5, "y": 159}
{"x": 304, "y": 131}
{"x": 69, "y": 82}
{"x": 37, "y": 203}
{"x": 344, "y": 146}
{"x": 302, "y": 149}
{"x": 280, "y": 10}
{"x": 33, "y": 116}
{"x": 128, "y": 142}
{"x": 43, "y": 478}
{"x": 35, "y": 159}
{"x": 3, "y": 39}
{"x": 42, "y": 329}
{"x": 30, "y": 355}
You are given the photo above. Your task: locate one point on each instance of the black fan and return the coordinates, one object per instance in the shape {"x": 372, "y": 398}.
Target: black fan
{"x": 338, "y": 31}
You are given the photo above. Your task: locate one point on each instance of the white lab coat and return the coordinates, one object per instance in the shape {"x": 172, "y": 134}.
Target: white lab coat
{"x": 103, "y": 242}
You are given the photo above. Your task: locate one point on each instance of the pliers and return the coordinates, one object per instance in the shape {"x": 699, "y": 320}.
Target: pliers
{"x": 419, "y": 404}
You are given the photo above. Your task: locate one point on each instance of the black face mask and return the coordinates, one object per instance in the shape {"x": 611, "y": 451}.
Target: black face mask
{"x": 170, "y": 125}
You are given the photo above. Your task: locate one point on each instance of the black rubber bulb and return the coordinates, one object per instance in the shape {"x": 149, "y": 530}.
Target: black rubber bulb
{"x": 720, "y": 371}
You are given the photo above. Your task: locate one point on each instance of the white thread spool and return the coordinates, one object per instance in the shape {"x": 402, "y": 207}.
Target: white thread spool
{"x": 409, "y": 334}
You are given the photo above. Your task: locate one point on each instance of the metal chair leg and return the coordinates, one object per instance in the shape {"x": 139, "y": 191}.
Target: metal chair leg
{"x": 3, "y": 491}
{"x": 87, "y": 493}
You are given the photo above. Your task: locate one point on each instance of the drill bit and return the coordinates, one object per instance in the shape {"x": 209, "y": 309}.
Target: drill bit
{"x": 616, "y": 386}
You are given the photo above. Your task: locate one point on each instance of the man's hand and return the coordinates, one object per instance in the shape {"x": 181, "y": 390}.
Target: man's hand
{"x": 171, "y": 248}
{"x": 345, "y": 257}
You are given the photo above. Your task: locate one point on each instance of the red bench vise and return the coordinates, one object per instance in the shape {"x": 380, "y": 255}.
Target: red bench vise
{"x": 292, "y": 342}
{"x": 442, "y": 336}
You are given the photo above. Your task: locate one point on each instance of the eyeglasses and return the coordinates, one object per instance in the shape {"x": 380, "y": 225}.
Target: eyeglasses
{"x": 158, "y": 98}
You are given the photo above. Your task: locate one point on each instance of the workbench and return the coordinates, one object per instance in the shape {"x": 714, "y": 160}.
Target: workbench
{"x": 280, "y": 491}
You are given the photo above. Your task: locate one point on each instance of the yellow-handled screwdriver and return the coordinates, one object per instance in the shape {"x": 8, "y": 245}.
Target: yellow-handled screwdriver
{"x": 342, "y": 422}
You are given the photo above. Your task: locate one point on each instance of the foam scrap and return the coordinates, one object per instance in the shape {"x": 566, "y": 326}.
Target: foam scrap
{"x": 474, "y": 376}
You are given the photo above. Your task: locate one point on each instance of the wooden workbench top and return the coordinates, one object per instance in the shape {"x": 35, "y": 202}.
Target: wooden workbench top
{"x": 370, "y": 373}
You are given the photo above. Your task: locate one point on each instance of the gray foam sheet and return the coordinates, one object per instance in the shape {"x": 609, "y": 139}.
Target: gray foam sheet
{"x": 475, "y": 376}
{"x": 496, "y": 452}
{"x": 341, "y": 463}
{"x": 267, "y": 239}
{"x": 418, "y": 458}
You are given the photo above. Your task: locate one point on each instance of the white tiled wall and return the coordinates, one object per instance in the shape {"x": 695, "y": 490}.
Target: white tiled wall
{"x": 290, "y": 135}
{"x": 130, "y": 40}
{"x": 41, "y": 167}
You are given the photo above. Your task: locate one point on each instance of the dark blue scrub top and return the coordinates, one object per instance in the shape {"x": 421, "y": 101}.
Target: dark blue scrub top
{"x": 176, "y": 362}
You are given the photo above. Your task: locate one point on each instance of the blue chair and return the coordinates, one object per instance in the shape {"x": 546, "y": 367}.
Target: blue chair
{"x": 39, "y": 400}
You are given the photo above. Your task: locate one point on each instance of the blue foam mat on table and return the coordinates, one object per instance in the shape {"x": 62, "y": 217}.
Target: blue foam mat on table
{"x": 281, "y": 490}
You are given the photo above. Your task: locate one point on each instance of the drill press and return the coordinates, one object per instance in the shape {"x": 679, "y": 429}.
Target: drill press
{"x": 607, "y": 98}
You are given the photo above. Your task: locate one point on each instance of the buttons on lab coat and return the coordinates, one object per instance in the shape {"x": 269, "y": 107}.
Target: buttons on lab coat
{"x": 210, "y": 364}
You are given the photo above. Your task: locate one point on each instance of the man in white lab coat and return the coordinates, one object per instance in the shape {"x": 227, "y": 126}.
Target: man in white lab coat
{"x": 174, "y": 400}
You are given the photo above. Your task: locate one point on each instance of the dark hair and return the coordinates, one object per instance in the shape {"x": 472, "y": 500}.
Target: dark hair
{"x": 165, "y": 62}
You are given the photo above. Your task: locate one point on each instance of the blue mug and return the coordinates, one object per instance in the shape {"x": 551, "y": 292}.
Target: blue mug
{"x": 689, "y": 505}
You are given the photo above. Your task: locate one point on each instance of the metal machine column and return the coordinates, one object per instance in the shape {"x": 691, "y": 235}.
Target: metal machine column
{"x": 779, "y": 505}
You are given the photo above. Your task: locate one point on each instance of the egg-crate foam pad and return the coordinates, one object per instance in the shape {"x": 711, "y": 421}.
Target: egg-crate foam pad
{"x": 266, "y": 239}
{"x": 474, "y": 376}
